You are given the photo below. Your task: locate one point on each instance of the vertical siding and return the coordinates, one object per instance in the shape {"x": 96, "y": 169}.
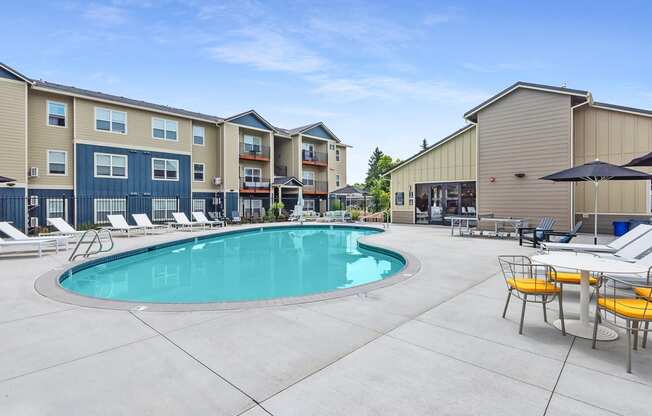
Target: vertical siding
{"x": 12, "y": 206}
{"x": 43, "y": 137}
{"x": 617, "y": 138}
{"x": 452, "y": 161}
{"x": 208, "y": 155}
{"x": 231, "y": 142}
{"x": 13, "y": 130}
{"x": 527, "y": 131}
{"x": 40, "y": 210}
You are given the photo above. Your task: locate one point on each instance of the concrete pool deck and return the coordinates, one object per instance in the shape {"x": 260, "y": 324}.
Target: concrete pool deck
{"x": 431, "y": 344}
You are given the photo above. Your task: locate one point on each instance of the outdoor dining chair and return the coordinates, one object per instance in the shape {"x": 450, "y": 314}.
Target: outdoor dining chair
{"x": 531, "y": 283}
{"x": 535, "y": 235}
{"x": 625, "y": 305}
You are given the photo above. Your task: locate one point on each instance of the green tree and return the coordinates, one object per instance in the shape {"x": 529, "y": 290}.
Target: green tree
{"x": 373, "y": 171}
{"x": 424, "y": 144}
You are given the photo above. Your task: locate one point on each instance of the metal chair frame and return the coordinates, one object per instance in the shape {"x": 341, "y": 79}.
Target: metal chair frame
{"x": 521, "y": 267}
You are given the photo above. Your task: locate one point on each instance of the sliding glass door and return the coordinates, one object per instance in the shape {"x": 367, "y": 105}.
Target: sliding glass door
{"x": 436, "y": 201}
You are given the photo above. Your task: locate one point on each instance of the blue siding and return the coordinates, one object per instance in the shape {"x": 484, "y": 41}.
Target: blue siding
{"x": 252, "y": 121}
{"x": 319, "y": 131}
{"x": 138, "y": 188}
{"x": 8, "y": 75}
{"x": 12, "y": 206}
{"x": 43, "y": 195}
{"x": 231, "y": 203}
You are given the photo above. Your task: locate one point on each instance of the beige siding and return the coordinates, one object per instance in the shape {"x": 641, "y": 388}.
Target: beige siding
{"x": 452, "y": 161}
{"x": 266, "y": 140}
{"x": 336, "y": 168}
{"x": 13, "y": 105}
{"x": 231, "y": 139}
{"x": 43, "y": 137}
{"x": 529, "y": 132}
{"x": 283, "y": 154}
{"x": 613, "y": 137}
{"x": 139, "y": 129}
{"x": 402, "y": 217}
{"x": 209, "y": 155}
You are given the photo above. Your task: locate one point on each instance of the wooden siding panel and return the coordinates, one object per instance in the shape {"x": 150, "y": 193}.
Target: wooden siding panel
{"x": 529, "y": 132}
{"x": 13, "y": 163}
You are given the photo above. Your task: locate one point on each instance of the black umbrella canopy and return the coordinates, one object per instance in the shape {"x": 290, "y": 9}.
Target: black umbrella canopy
{"x": 4, "y": 179}
{"x": 641, "y": 161}
{"x": 597, "y": 171}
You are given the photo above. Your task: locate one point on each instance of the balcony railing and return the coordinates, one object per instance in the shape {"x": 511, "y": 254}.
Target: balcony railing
{"x": 254, "y": 184}
{"x": 315, "y": 187}
{"x": 254, "y": 151}
{"x": 314, "y": 158}
{"x": 280, "y": 170}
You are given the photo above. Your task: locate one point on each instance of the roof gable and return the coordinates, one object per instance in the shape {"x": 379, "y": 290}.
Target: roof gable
{"x": 251, "y": 119}
{"x": 320, "y": 131}
{"x": 471, "y": 114}
{"x": 8, "y": 72}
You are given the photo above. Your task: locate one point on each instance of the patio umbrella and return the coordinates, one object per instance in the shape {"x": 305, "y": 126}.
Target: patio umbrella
{"x": 4, "y": 179}
{"x": 596, "y": 172}
{"x": 641, "y": 161}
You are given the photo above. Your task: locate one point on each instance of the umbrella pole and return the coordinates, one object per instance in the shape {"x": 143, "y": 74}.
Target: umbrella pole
{"x": 595, "y": 213}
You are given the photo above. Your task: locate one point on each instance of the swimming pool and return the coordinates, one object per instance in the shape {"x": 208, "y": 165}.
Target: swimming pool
{"x": 251, "y": 265}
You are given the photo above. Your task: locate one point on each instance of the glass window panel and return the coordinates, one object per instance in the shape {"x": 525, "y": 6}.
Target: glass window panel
{"x": 102, "y": 125}
{"x": 104, "y": 160}
{"x": 119, "y": 117}
{"x": 119, "y": 127}
{"x": 102, "y": 114}
{"x": 57, "y": 157}
{"x": 119, "y": 171}
{"x": 57, "y": 109}
{"x": 103, "y": 170}
{"x": 120, "y": 161}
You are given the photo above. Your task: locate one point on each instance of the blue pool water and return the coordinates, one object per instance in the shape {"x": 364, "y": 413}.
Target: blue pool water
{"x": 243, "y": 266}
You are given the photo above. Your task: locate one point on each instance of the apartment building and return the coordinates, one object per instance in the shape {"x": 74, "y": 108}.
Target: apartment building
{"x": 494, "y": 163}
{"x": 82, "y": 155}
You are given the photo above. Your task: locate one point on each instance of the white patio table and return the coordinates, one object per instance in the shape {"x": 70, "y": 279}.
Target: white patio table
{"x": 587, "y": 263}
{"x": 515, "y": 223}
{"x": 461, "y": 223}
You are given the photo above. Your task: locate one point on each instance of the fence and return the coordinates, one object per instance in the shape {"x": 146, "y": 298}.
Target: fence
{"x": 31, "y": 213}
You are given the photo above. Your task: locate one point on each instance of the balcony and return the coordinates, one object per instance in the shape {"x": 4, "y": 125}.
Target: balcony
{"x": 250, "y": 151}
{"x": 254, "y": 184}
{"x": 280, "y": 170}
{"x": 314, "y": 158}
{"x": 311, "y": 187}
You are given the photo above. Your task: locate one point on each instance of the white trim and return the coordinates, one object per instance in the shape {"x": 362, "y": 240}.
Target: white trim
{"x": 118, "y": 103}
{"x": 166, "y": 169}
{"x": 203, "y": 171}
{"x": 315, "y": 138}
{"x": 47, "y": 114}
{"x": 132, "y": 147}
{"x": 62, "y": 187}
{"x": 648, "y": 194}
{"x": 259, "y": 169}
{"x": 435, "y": 146}
{"x": 110, "y": 130}
{"x": 620, "y": 110}
{"x": 203, "y": 137}
{"x": 111, "y": 156}
{"x": 16, "y": 185}
{"x": 514, "y": 88}
{"x": 165, "y": 129}
{"x": 450, "y": 181}
{"x": 65, "y": 163}
{"x": 47, "y": 207}
{"x": 15, "y": 81}
{"x": 591, "y": 213}
{"x": 23, "y": 79}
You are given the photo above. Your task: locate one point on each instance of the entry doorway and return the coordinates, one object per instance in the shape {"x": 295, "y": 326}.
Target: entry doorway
{"x": 436, "y": 201}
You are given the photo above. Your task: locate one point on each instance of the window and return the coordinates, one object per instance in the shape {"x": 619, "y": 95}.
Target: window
{"x": 308, "y": 204}
{"x": 308, "y": 178}
{"x": 162, "y": 208}
{"x": 332, "y": 146}
{"x": 252, "y": 143}
{"x": 110, "y": 120}
{"x": 337, "y": 155}
{"x": 199, "y": 205}
{"x": 198, "y": 172}
{"x": 252, "y": 174}
{"x": 55, "y": 208}
{"x": 198, "y": 134}
{"x": 252, "y": 208}
{"x": 398, "y": 198}
{"x": 165, "y": 169}
{"x": 164, "y": 129}
{"x": 337, "y": 180}
{"x": 110, "y": 166}
{"x": 57, "y": 162}
{"x": 108, "y": 206}
{"x": 56, "y": 114}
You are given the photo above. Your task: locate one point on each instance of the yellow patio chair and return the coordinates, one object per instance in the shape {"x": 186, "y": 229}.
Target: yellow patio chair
{"x": 625, "y": 305}
{"x": 531, "y": 283}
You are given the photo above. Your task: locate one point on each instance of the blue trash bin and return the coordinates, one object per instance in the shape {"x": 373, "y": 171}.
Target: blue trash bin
{"x": 620, "y": 227}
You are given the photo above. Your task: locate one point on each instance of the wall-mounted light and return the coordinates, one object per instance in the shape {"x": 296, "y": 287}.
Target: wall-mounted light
{"x": 520, "y": 174}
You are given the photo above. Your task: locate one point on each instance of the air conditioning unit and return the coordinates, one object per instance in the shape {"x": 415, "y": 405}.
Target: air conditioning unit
{"x": 33, "y": 172}
{"x": 33, "y": 201}
{"x": 33, "y": 222}
{"x": 217, "y": 181}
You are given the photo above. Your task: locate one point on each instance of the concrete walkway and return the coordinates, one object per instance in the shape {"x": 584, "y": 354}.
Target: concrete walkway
{"x": 434, "y": 344}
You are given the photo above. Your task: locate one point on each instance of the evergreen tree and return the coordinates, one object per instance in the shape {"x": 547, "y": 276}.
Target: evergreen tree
{"x": 373, "y": 171}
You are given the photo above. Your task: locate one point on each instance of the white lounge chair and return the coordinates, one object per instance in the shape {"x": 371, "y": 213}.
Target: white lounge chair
{"x": 633, "y": 251}
{"x": 142, "y": 220}
{"x": 19, "y": 239}
{"x": 118, "y": 223}
{"x": 184, "y": 223}
{"x": 616, "y": 245}
{"x": 235, "y": 217}
{"x": 62, "y": 228}
{"x": 199, "y": 216}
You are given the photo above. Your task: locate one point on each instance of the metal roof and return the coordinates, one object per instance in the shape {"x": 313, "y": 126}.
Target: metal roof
{"x": 622, "y": 108}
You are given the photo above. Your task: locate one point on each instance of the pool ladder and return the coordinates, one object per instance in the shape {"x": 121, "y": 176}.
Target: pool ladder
{"x": 95, "y": 240}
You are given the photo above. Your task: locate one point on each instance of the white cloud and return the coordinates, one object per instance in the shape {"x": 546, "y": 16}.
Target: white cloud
{"x": 105, "y": 15}
{"x": 437, "y": 18}
{"x": 268, "y": 50}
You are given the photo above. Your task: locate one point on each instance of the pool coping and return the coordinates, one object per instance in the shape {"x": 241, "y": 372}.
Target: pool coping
{"x": 48, "y": 284}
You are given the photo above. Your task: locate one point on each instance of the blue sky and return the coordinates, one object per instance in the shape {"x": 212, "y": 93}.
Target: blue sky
{"x": 378, "y": 74}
